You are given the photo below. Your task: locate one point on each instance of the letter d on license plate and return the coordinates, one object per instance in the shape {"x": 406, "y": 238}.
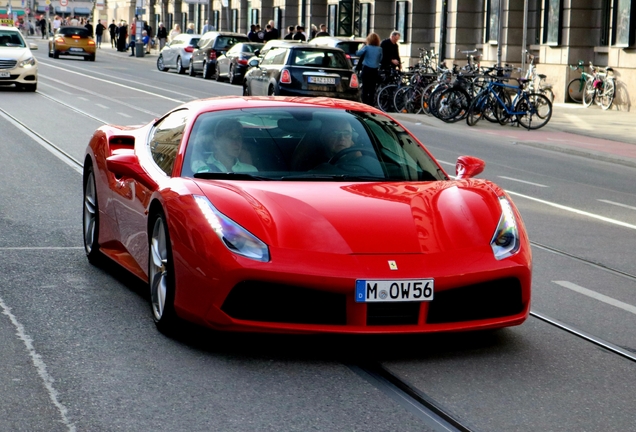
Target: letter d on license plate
{"x": 394, "y": 290}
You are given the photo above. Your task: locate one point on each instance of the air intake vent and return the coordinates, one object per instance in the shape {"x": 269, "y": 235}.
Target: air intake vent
{"x": 122, "y": 141}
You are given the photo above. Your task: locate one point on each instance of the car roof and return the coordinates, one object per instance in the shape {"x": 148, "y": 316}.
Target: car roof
{"x": 336, "y": 39}
{"x": 10, "y": 28}
{"x": 222, "y": 33}
{"x": 243, "y": 102}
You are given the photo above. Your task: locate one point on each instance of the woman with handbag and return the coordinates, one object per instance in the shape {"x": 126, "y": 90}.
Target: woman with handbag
{"x": 370, "y": 57}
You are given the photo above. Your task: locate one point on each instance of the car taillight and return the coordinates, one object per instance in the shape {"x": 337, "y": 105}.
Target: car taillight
{"x": 189, "y": 49}
{"x": 348, "y": 56}
{"x": 91, "y": 42}
{"x": 242, "y": 62}
{"x": 354, "y": 81}
{"x": 75, "y": 37}
{"x": 212, "y": 55}
{"x": 59, "y": 40}
{"x": 285, "y": 77}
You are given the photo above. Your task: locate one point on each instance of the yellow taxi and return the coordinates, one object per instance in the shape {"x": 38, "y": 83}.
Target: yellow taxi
{"x": 73, "y": 41}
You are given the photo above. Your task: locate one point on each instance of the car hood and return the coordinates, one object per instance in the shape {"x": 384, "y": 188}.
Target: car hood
{"x": 357, "y": 218}
{"x": 15, "y": 53}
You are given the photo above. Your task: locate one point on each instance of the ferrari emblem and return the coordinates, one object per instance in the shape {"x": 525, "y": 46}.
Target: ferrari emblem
{"x": 392, "y": 265}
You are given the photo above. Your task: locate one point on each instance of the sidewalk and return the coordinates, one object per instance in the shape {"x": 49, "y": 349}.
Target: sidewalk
{"x": 590, "y": 132}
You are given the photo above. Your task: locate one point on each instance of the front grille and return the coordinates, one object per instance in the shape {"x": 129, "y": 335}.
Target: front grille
{"x": 493, "y": 299}
{"x": 268, "y": 302}
{"x": 11, "y": 78}
{"x": 402, "y": 313}
{"x": 7, "y": 64}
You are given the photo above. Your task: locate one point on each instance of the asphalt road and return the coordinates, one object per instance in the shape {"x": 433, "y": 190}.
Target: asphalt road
{"x": 79, "y": 350}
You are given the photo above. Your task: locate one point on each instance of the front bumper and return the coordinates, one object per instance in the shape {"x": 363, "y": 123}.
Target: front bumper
{"x": 352, "y": 95}
{"x": 20, "y": 75}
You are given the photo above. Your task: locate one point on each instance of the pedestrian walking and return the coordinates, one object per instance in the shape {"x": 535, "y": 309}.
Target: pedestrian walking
{"x": 370, "y": 56}
{"x": 290, "y": 33}
{"x": 122, "y": 35}
{"x": 162, "y": 35}
{"x": 43, "y": 24}
{"x": 176, "y": 31}
{"x": 89, "y": 27}
{"x": 323, "y": 31}
{"x": 190, "y": 29}
{"x": 391, "y": 52}
{"x": 99, "y": 32}
{"x": 112, "y": 29}
{"x": 207, "y": 27}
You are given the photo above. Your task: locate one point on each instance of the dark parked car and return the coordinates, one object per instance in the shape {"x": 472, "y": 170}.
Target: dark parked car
{"x": 211, "y": 46}
{"x": 293, "y": 69}
{"x": 233, "y": 64}
{"x": 348, "y": 45}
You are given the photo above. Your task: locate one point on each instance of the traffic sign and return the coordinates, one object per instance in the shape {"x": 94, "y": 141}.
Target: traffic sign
{"x": 63, "y": 3}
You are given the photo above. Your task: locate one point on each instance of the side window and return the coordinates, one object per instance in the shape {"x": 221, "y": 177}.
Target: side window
{"x": 275, "y": 56}
{"x": 165, "y": 139}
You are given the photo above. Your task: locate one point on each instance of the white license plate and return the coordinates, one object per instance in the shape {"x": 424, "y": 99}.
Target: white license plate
{"x": 321, "y": 80}
{"x": 77, "y": 49}
{"x": 5, "y": 74}
{"x": 394, "y": 290}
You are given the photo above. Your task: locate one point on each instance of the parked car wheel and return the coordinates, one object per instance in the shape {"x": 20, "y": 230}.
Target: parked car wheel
{"x": 231, "y": 76}
{"x": 180, "y": 69}
{"x": 191, "y": 71}
{"x": 160, "y": 64}
{"x": 207, "y": 70}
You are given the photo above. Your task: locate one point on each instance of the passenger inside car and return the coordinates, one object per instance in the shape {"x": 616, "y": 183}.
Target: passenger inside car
{"x": 220, "y": 150}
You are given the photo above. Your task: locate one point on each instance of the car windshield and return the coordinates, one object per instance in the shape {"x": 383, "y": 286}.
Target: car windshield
{"x": 250, "y": 47}
{"x": 74, "y": 31}
{"x": 227, "y": 42}
{"x": 11, "y": 39}
{"x": 319, "y": 58}
{"x": 350, "y": 47}
{"x": 305, "y": 144}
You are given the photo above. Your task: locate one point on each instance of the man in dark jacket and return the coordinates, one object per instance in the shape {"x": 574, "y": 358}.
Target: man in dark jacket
{"x": 112, "y": 29}
{"x": 99, "y": 32}
{"x": 391, "y": 52}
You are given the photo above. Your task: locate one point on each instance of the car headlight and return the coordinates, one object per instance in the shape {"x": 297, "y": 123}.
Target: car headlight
{"x": 236, "y": 238}
{"x": 505, "y": 242}
{"x": 30, "y": 62}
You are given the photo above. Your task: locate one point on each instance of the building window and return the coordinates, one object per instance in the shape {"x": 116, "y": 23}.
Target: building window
{"x": 278, "y": 18}
{"x": 400, "y": 19}
{"x": 254, "y": 17}
{"x": 491, "y": 35}
{"x": 552, "y": 18}
{"x": 332, "y": 19}
{"x": 235, "y": 20}
{"x": 605, "y": 22}
{"x": 365, "y": 19}
{"x": 536, "y": 39}
{"x": 623, "y": 32}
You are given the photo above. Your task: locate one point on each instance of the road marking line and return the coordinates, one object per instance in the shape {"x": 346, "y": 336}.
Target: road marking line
{"x": 39, "y": 364}
{"x": 53, "y": 87}
{"x": 597, "y": 296}
{"x": 83, "y": 98}
{"x": 102, "y": 106}
{"x": 125, "y": 115}
{"x": 9, "y": 248}
{"x": 618, "y": 204}
{"x": 573, "y": 210}
{"x": 523, "y": 181}
{"x": 582, "y": 124}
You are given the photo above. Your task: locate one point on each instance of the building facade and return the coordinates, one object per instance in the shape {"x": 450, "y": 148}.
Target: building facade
{"x": 558, "y": 32}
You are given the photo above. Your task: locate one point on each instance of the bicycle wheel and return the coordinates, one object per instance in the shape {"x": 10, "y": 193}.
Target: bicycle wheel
{"x": 453, "y": 104}
{"x": 537, "y": 111}
{"x": 476, "y": 109}
{"x": 385, "y": 98}
{"x": 499, "y": 110}
{"x": 401, "y": 99}
{"x": 589, "y": 93}
{"x": 547, "y": 93}
{"x": 575, "y": 90}
{"x": 607, "y": 97}
{"x": 426, "y": 94}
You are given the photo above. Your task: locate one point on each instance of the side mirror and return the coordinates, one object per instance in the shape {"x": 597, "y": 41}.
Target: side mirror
{"x": 127, "y": 165}
{"x": 33, "y": 46}
{"x": 253, "y": 62}
{"x": 468, "y": 167}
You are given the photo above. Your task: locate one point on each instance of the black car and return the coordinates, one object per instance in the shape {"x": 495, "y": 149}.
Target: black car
{"x": 297, "y": 69}
{"x": 233, "y": 64}
{"x": 349, "y": 45}
{"x": 211, "y": 46}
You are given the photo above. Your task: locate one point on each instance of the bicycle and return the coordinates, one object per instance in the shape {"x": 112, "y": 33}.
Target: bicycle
{"x": 537, "y": 86}
{"x": 577, "y": 85}
{"x": 531, "y": 110}
{"x": 601, "y": 89}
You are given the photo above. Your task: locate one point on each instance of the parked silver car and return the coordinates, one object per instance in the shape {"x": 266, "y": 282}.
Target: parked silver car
{"x": 177, "y": 53}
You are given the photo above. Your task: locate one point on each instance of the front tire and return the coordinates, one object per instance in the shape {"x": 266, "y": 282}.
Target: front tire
{"x": 231, "y": 76}
{"x": 161, "y": 274}
{"x": 160, "y": 64}
{"x": 90, "y": 219}
{"x": 207, "y": 70}
{"x": 30, "y": 87}
{"x": 191, "y": 71}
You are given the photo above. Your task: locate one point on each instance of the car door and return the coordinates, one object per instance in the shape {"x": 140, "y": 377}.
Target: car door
{"x": 200, "y": 54}
{"x": 169, "y": 54}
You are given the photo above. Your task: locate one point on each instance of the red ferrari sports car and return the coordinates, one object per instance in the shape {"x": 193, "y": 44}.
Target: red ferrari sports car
{"x": 303, "y": 215}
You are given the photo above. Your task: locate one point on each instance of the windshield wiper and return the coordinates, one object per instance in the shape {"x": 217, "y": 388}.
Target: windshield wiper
{"x": 229, "y": 176}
